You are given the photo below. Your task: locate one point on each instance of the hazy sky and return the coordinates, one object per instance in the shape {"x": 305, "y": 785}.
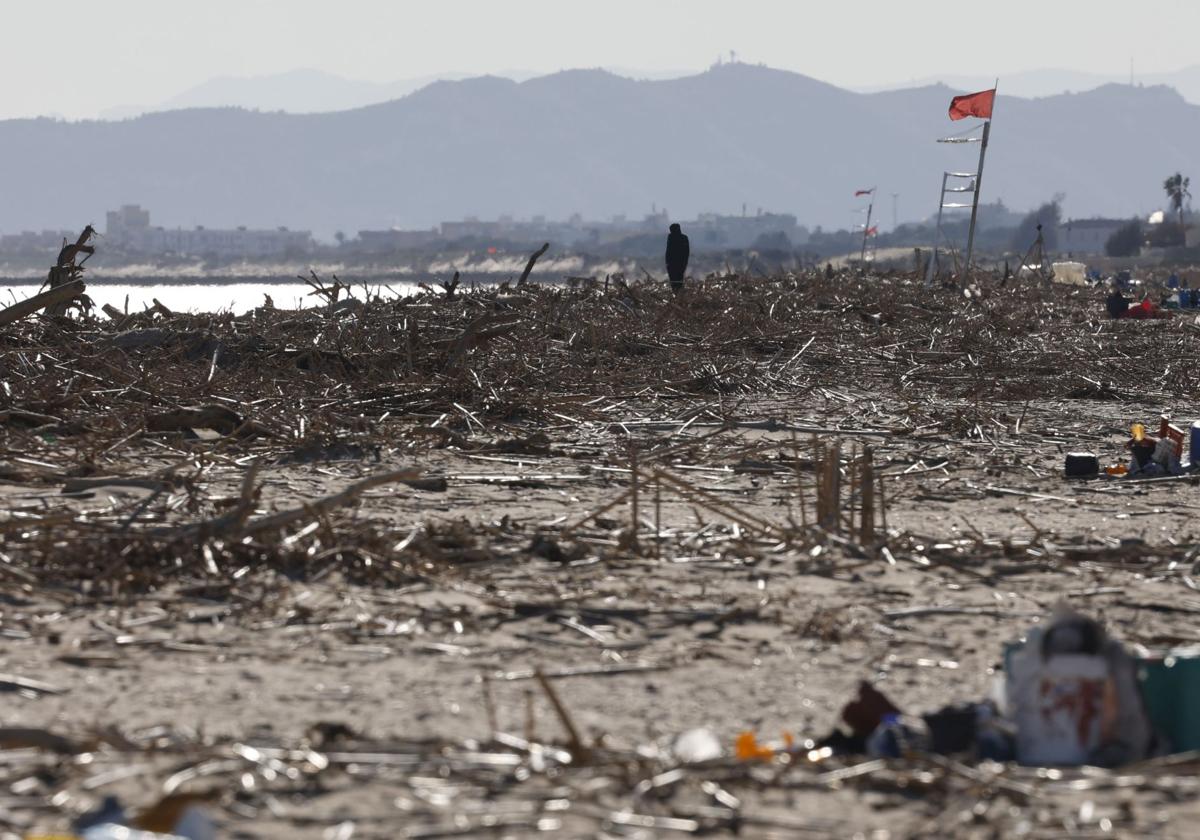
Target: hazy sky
{"x": 76, "y": 58}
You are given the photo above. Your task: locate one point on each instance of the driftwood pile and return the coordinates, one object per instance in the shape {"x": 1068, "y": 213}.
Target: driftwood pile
{"x": 482, "y": 368}
{"x": 167, "y": 438}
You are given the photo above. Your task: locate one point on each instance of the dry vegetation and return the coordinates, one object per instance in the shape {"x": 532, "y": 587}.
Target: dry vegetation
{"x": 526, "y": 497}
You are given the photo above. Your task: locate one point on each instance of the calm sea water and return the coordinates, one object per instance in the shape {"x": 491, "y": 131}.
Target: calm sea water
{"x": 242, "y": 288}
{"x": 216, "y": 297}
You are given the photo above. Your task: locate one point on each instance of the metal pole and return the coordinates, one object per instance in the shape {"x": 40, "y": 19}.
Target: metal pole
{"x": 987, "y": 130}
{"x": 975, "y": 200}
{"x": 937, "y": 231}
{"x": 862, "y": 258}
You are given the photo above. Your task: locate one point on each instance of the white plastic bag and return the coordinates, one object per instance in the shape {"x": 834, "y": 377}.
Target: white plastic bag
{"x": 1072, "y": 695}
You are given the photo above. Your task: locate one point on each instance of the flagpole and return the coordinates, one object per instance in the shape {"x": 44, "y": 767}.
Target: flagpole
{"x": 862, "y": 258}
{"x": 987, "y": 130}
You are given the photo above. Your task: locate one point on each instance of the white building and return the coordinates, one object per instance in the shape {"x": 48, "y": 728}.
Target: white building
{"x": 1086, "y": 237}
{"x": 711, "y": 231}
{"x": 130, "y": 228}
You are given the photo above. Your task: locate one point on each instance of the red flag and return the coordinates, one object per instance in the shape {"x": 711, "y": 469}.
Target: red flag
{"x": 864, "y": 192}
{"x": 872, "y": 231}
{"x": 973, "y": 105}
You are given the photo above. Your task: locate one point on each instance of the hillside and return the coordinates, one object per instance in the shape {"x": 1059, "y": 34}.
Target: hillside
{"x": 594, "y": 143}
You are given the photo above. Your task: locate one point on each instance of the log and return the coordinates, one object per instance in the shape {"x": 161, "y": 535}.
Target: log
{"x": 236, "y": 524}
{"x": 59, "y": 275}
{"x": 219, "y": 418}
{"x": 31, "y": 419}
{"x": 480, "y": 331}
{"x": 52, "y": 297}
{"x": 150, "y": 337}
{"x": 84, "y": 485}
{"x": 15, "y": 738}
{"x": 533, "y": 258}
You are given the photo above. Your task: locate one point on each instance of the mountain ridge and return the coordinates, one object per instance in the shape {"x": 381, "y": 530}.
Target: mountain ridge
{"x": 595, "y": 143}
{"x": 308, "y": 90}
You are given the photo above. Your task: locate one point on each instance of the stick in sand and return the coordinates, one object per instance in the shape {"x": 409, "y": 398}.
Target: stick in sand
{"x": 867, "y": 489}
{"x": 529, "y": 265}
{"x": 564, "y": 717}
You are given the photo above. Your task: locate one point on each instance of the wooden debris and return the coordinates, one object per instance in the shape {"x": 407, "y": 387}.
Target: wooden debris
{"x": 11, "y": 682}
{"x": 533, "y": 258}
{"x": 238, "y": 552}
{"x": 53, "y": 297}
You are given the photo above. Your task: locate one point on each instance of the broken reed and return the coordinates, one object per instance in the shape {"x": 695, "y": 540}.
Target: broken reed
{"x": 836, "y": 513}
{"x": 853, "y": 513}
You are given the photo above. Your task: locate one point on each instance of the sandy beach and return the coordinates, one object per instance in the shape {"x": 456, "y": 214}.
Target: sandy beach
{"x": 592, "y": 526}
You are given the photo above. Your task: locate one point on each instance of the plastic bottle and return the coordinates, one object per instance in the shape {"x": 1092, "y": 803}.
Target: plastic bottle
{"x": 884, "y": 741}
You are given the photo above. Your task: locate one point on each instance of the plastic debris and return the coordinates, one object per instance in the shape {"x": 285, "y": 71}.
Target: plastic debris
{"x": 1073, "y": 695}
{"x": 174, "y": 817}
{"x": 1082, "y": 465}
{"x": 747, "y": 747}
{"x": 696, "y": 746}
{"x": 1170, "y": 684}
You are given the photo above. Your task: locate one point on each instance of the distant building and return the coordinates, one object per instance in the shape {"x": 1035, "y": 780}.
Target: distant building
{"x": 1191, "y": 231}
{"x": 386, "y": 241}
{"x": 713, "y": 232}
{"x": 29, "y": 242}
{"x": 709, "y": 232}
{"x": 1087, "y": 237}
{"x": 129, "y": 228}
{"x": 128, "y": 221}
{"x": 474, "y": 229}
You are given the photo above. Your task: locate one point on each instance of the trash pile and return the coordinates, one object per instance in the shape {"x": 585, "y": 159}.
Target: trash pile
{"x": 1068, "y": 696}
{"x": 1149, "y": 456}
{"x": 1170, "y": 299}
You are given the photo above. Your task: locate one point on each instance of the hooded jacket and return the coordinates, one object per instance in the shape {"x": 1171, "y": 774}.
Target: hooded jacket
{"x": 678, "y": 251}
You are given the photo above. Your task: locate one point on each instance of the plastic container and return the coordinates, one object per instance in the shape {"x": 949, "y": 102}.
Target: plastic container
{"x": 1070, "y": 273}
{"x": 1082, "y": 465}
{"x": 1171, "y": 688}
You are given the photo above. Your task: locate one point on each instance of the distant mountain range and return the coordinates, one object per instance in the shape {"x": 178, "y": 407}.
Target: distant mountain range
{"x": 308, "y": 91}
{"x": 596, "y": 143}
{"x": 1049, "y": 82}
{"x": 297, "y": 92}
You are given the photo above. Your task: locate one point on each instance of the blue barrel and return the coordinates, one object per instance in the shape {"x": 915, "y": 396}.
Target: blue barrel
{"x": 1194, "y": 444}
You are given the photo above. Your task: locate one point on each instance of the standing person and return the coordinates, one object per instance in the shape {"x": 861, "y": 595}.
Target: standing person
{"x": 678, "y": 251}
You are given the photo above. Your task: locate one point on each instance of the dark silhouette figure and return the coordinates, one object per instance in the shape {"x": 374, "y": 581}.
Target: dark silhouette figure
{"x": 1117, "y": 304}
{"x": 678, "y": 251}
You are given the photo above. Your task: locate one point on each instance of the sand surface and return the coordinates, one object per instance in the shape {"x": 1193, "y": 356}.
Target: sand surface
{"x": 386, "y": 688}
